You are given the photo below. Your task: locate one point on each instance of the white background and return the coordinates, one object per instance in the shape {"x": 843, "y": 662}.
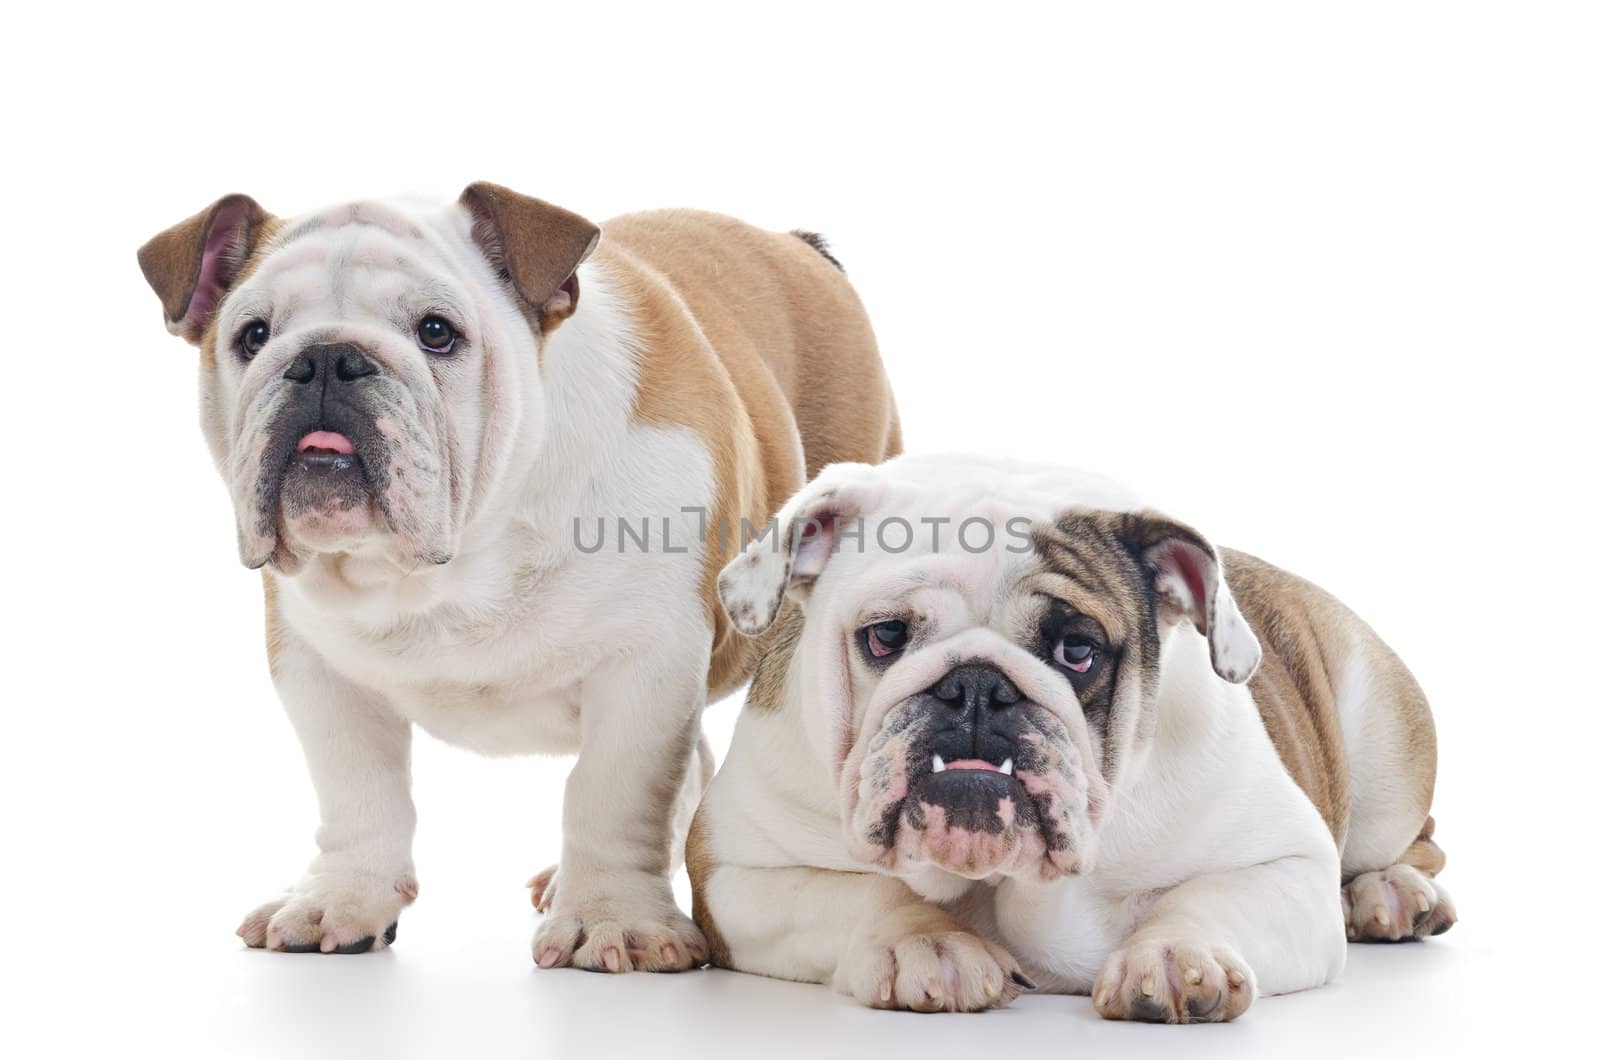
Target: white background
{"x": 1322, "y": 278}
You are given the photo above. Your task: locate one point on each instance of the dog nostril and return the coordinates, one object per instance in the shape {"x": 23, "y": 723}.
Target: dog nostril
{"x": 978, "y": 686}
{"x": 353, "y": 364}
{"x": 335, "y": 360}
{"x": 301, "y": 370}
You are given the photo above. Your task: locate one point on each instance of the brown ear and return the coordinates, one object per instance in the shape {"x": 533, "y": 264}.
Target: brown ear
{"x": 1185, "y": 571}
{"x": 192, "y": 264}
{"x": 536, "y": 247}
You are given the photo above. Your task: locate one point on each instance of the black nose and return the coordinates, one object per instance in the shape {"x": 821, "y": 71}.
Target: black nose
{"x": 340, "y": 360}
{"x": 976, "y": 688}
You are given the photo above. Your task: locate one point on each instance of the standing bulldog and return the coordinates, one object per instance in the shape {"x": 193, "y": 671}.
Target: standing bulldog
{"x": 488, "y": 459}
{"x": 1015, "y": 728}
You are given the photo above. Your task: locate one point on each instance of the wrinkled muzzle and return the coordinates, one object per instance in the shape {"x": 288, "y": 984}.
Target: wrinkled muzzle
{"x": 973, "y": 757}
{"x": 332, "y": 452}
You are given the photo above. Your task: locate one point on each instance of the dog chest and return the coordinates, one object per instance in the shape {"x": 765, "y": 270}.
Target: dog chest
{"x": 495, "y": 719}
{"x": 1067, "y": 928}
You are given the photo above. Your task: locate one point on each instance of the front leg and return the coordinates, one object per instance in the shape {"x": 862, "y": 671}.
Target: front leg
{"x": 870, "y": 936}
{"x": 359, "y": 755}
{"x": 1208, "y": 945}
{"x": 614, "y": 910}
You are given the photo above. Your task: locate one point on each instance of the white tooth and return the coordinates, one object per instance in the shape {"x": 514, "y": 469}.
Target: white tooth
{"x": 1006, "y": 767}
{"x": 938, "y": 764}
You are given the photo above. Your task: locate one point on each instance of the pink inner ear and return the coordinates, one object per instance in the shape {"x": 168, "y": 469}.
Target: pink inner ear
{"x": 1189, "y": 569}
{"x": 217, "y": 263}
{"x": 815, "y": 546}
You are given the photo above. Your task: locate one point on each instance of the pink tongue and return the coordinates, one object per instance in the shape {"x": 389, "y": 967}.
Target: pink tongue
{"x": 331, "y": 440}
{"x": 972, "y": 763}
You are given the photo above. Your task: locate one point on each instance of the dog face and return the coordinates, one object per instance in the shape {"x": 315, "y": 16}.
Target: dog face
{"x": 367, "y": 371}
{"x": 981, "y": 651}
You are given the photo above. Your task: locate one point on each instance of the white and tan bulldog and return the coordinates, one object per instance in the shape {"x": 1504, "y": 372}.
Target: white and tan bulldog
{"x": 488, "y": 459}
{"x": 1016, "y": 729}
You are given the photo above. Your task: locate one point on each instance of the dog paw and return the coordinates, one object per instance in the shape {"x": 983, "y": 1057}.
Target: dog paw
{"x": 1395, "y": 904}
{"x": 1174, "y": 981}
{"x": 931, "y": 964}
{"x": 608, "y": 935}
{"x": 543, "y": 888}
{"x": 331, "y": 915}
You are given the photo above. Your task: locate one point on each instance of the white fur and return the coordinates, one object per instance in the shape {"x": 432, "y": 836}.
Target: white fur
{"x": 1207, "y": 845}
{"x": 1384, "y": 806}
{"x": 521, "y": 642}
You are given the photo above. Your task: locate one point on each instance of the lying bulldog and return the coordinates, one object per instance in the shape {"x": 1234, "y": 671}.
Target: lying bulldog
{"x": 477, "y": 449}
{"x": 1016, "y": 729}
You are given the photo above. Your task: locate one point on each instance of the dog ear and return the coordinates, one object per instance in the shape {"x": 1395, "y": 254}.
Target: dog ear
{"x": 534, "y": 246}
{"x": 191, "y": 265}
{"x": 1185, "y": 571}
{"x": 792, "y": 550}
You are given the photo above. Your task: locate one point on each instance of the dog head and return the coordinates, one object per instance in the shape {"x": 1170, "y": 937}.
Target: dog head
{"x": 368, "y": 371}
{"x": 981, "y": 651}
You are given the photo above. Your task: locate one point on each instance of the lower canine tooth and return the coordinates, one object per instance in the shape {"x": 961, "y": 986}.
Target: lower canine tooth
{"x": 1007, "y": 767}
{"x": 938, "y": 764}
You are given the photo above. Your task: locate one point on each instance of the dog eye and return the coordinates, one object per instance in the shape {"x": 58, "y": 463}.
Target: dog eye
{"x": 885, "y": 638}
{"x": 253, "y": 336}
{"x": 1075, "y": 653}
{"x": 436, "y": 335}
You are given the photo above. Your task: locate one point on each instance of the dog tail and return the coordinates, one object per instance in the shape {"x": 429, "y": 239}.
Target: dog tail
{"x": 818, "y": 244}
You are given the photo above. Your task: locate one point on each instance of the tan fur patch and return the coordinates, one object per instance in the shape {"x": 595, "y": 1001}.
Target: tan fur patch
{"x": 1302, "y": 636}
{"x": 274, "y": 622}
{"x": 772, "y": 668}
{"x": 758, "y": 344}
{"x": 1424, "y": 854}
{"x": 1087, "y": 560}
{"x": 1306, "y": 634}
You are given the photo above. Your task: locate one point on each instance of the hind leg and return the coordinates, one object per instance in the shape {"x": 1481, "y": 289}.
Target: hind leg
{"x": 1388, "y": 857}
{"x": 1401, "y": 902}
